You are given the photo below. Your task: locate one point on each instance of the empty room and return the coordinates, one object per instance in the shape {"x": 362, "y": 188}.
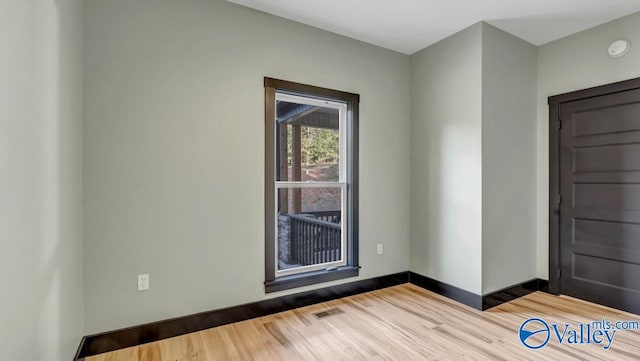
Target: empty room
{"x": 203, "y": 180}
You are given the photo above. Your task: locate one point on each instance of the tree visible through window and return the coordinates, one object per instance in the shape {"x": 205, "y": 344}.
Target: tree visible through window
{"x": 311, "y": 183}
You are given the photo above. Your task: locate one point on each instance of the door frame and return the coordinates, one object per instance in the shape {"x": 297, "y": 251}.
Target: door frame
{"x": 555, "y": 124}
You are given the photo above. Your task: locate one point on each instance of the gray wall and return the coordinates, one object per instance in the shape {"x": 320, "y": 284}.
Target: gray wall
{"x": 473, "y": 160}
{"x": 173, "y": 154}
{"x": 41, "y": 307}
{"x": 446, "y": 160}
{"x": 573, "y": 63}
{"x": 508, "y": 160}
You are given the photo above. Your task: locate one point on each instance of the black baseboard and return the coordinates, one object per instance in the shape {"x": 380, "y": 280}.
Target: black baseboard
{"x": 511, "y": 293}
{"x": 79, "y": 356}
{"x": 543, "y": 285}
{"x": 138, "y": 335}
{"x": 474, "y": 300}
{"x": 156, "y": 331}
{"x": 457, "y": 294}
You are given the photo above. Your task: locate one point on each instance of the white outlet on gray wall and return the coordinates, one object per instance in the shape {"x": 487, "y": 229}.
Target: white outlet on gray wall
{"x": 143, "y": 282}
{"x": 379, "y": 248}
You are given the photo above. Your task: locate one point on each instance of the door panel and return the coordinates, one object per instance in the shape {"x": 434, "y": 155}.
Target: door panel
{"x": 606, "y": 271}
{"x": 604, "y": 233}
{"x": 607, "y": 158}
{"x": 600, "y": 199}
{"x": 606, "y": 196}
{"x": 617, "y": 118}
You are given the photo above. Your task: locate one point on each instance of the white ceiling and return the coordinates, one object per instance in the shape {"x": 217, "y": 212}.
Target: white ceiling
{"x": 411, "y": 25}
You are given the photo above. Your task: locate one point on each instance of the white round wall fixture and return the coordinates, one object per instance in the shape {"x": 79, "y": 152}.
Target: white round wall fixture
{"x": 619, "y": 48}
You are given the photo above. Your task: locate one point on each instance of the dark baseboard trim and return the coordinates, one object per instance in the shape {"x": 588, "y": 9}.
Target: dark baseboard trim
{"x": 78, "y": 356}
{"x": 511, "y": 293}
{"x": 138, "y": 335}
{"x": 474, "y": 300}
{"x": 457, "y": 294}
{"x": 543, "y": 285}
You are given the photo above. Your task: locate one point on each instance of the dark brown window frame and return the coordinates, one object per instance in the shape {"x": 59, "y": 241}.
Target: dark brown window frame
{"x": 273, "y": 284}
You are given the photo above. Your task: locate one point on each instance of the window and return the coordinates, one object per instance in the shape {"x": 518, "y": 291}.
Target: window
{"x": 311, "y": 185}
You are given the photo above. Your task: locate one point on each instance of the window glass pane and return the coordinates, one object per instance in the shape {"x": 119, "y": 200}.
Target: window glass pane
{"x": 309, "y": 227}
{"x": 307, "y": 142}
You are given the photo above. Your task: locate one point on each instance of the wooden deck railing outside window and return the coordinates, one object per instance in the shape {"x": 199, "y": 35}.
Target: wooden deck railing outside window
{"x": 316, "y": 237}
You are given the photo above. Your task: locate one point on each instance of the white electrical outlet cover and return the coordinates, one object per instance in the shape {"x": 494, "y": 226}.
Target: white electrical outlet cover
{"x": 143, "y": 282}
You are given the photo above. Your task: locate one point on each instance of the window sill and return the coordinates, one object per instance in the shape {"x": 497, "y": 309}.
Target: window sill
{"x": 309, "y": 278}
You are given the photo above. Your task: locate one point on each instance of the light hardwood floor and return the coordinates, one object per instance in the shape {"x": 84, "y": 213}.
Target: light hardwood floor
{"x": 398, "y": 323}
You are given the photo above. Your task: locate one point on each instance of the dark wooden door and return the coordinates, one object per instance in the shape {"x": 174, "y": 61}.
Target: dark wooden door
{"x": 599, "y": 181}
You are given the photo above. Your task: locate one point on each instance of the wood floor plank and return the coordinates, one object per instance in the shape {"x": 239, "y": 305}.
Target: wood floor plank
{"x": 398, "y": 323}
